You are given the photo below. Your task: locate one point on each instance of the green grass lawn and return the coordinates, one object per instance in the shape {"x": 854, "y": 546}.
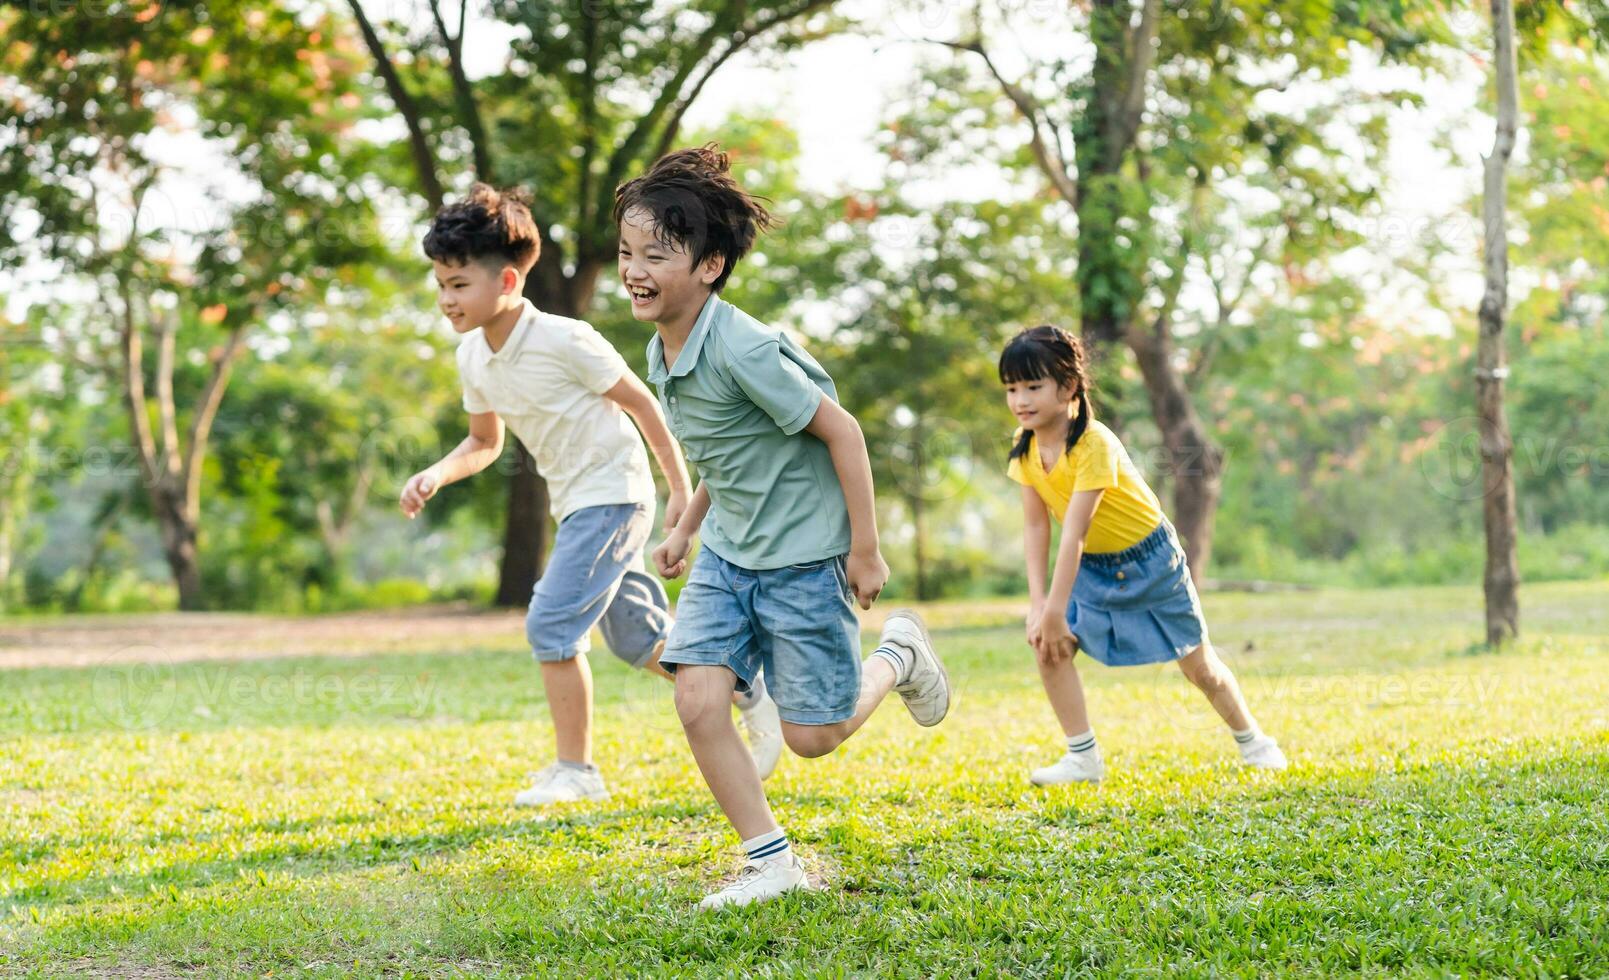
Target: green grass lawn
{"x": 1445, "y": 814}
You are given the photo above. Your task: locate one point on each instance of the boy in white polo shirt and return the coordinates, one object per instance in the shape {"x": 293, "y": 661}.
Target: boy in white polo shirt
{"x": 566, "y": 394}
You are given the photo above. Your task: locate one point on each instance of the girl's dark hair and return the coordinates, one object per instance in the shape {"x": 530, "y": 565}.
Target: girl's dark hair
{"x": 696, "y": 206}
{"x": 487, "y": 224}
{"x": 1048, "y": 353}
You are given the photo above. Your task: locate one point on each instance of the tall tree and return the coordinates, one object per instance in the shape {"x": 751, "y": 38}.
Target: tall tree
{"x": 590, "y": 93}
{"x": 1144, "y": 136}
{"x": 89, "y": 180}
{"x": 1501, "y": 580}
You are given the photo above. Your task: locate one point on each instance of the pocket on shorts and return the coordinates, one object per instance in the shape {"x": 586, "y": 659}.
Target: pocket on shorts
{"x": 813, "y": 571}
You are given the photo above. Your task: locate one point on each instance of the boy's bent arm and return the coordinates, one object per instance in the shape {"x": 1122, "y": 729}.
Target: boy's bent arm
{"x": 697, "y": 507}
{"x": 847, "y": 445}
{"x": 479, "y": 450}
{"x": 637, "y": 401}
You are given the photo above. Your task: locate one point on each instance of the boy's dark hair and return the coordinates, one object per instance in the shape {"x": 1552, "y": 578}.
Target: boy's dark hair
{"x": 487, "y": 224}
{"x": 696, "y": 205}
{"x": 1047, "y": 353}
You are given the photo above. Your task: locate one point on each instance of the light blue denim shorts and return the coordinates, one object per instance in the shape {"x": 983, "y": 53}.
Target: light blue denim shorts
{"x": 1138, "y": 605}
{"x": 595, "y": 577}
{"x": 797, "y": 624}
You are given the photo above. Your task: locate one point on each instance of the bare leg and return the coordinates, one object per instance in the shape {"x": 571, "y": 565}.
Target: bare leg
{"x": 1218, "y": 683}
{"x": 876, "y": 680}
{"x": 1066, "y": 693}
{"x": 653, "y": 667}
{"x": 569, "y": 692}
{"x": 704, "y": 704}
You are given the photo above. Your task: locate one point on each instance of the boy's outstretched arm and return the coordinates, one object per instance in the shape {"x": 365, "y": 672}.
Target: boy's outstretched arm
{"x": 637, "y": 401}
{"x": 867, "y": 571}
{"x": 479, "y": 450}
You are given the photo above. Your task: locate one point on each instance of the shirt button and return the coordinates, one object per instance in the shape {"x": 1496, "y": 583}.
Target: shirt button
{"x": 1121, "y": 576}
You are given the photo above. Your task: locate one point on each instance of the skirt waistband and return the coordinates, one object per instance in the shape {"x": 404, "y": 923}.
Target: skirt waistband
{"x": 1155, "y": 541}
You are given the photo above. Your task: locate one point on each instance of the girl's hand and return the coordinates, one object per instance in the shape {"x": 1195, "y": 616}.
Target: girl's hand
{"x": 1056, "y": 642}
{"x": 1035, "y": 610}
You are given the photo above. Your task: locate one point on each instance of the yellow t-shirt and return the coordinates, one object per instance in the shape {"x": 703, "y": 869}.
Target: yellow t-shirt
{"x": 1128, "y": 510}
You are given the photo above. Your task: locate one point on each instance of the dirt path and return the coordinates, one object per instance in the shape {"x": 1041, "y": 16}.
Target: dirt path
{"x": 86, "y": 641}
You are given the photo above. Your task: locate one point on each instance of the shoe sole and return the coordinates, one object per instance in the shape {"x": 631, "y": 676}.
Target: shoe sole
{"x": 804, "y": 886}
{"x": 1066, "y": 782}
{"x": 589, "y": 798}
{"x": 933, "y": 651}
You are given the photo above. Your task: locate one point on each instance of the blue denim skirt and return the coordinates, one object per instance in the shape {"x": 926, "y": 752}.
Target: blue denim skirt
{"x": 1138, "y": 605}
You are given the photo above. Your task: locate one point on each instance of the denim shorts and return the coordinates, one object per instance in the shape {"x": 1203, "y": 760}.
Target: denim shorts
{"x": 1138, "y": 605}
{"x": 594, "y": 577}
{"x": 796, "y": 623}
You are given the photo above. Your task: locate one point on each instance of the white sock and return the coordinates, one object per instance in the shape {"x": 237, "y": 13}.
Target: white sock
{"x": 771, "y": 846}
{"x": 1081, "y": 743}
{"x": 895, "y": 658}
{"x": 1246, "y": 736}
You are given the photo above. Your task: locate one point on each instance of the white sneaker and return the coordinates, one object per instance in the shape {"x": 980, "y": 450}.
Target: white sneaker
{"x": 1074, "y": 767}
{"x": 760, "y": 881}
{"x": 925, "y": 687}
{"x": 763, "y": 726}
{"x": 563, "y": 784}
{"x": 1263, "y": 752}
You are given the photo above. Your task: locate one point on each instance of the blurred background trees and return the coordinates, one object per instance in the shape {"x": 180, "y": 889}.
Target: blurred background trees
{"x": 220, "y": 355}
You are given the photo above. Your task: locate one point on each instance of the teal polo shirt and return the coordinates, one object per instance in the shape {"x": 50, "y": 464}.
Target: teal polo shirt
{"x": 738, "y": 399}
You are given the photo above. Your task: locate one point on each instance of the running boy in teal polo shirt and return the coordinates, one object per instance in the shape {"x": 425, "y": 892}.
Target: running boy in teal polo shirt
{"x": 784, "y": 508}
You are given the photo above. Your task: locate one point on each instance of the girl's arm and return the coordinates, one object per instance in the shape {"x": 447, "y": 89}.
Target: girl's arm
{"x": 1036, "y": 551}
{"x": 1054, "y": 638}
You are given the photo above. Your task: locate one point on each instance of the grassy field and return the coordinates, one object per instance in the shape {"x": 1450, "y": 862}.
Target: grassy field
{"x": 317, "y": 816}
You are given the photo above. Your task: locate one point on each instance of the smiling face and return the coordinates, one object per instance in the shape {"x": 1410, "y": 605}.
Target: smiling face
{"x": 1038, "y": 403}
{"x": 472, "y": 293}
{"x": 662, "y": 280}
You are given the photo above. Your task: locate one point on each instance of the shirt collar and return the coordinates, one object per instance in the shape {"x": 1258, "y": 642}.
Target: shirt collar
{"x": 687, "y": 359}
{"x": 516, "y": 336}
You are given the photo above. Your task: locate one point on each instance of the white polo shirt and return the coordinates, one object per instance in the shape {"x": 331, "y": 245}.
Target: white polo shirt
{"x": 547, "y": 385}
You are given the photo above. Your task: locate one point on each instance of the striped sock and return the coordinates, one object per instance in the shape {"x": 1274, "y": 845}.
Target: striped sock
{"x": 772, "y": 846}
{"x": 1082, "y": 743}
{"x": 1247, "y": 735}
{"x": 896, "y": 658}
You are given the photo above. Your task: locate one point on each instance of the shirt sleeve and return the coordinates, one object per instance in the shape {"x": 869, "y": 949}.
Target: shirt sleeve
{"x": 475, "y": 401}
{"x": 1096, "y": 463}
{"x": 593, "y": 363}
{"x": 777, "y": 384}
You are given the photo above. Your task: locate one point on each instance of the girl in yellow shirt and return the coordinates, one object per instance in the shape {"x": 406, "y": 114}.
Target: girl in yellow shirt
{"x": 1121, "y": 590}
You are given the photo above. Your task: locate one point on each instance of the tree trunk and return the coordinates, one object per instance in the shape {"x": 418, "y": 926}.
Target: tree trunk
{"x": 1194, "y": 464}
{"x": 1497, "y": 450}
{"x": 524, "y": 532}
{"x": 178, "y": 527}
